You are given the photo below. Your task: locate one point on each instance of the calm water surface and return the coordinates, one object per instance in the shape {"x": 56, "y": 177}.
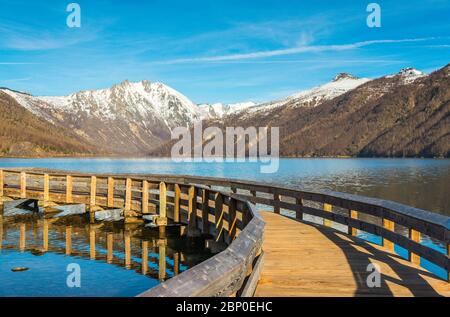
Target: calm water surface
{"x": 422, "y": 183}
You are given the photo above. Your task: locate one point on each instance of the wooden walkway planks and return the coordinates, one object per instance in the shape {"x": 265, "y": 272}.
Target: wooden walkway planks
{"x": 307, "y": 260}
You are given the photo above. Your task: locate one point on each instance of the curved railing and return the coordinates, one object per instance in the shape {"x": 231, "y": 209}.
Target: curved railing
{"x": 375, "y": 216}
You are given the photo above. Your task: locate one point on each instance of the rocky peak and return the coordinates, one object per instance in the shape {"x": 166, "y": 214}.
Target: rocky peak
{"x": 343, "y": 76}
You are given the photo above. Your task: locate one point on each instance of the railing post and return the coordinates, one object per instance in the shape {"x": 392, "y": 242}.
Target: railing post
{"x": 205, "y": 211}
{"x": 128, "y": 184}
{"x": 389, "y": 225}
{"x": 414, "y": 235}
{"x": 176, "y": 203}
{"x": 144, "y": 201}
{"x": 327, "y": 208}
{"x": 69, "y": 189}
{"x": 299, "y": 213}
{"x": 93, "y": 197}
{"x": 192, "y": 210}
{"x": 162, "y": 200}
{"x": 232, "y": 221}
{"x": 23, "y": 185}
{"x": 353, "y": 231}
{"x": 46, "y": 189}
{"x": 110, "y": 194}
{"x": 276, "y": 197}
{"x": 218, "y": 215}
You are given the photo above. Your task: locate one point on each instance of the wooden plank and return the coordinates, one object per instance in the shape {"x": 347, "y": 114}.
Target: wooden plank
{"x": 162, "y": 200}
{"x": 414, "y": 236}
{"x": 176, "y": 202}
{"x": 128, "y": 184}
{"x": 93, "y": 193}
{"x": 46, "y": 189}
{"x": 145, "y": 197}
{"x": 389, "y": 225}
{"x": 110, "y": 194}
{"x": 353, "y": 231}
{"x": 69, "y": 188}
{"x": 327, "y": 208}
{"x": 23, "y": 185}
{"x": 320, "y": 261}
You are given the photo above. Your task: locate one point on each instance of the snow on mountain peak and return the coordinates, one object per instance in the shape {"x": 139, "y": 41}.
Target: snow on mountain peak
{"x": 408, "y": 75}
{"x": 343, "y": 76}
{"x": 219, "y": 110}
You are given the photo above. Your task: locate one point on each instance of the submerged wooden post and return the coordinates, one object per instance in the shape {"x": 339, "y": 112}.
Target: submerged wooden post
{"x": 109, "y": 247}
{"x": 93, "y": 196}
{"x": 68, "y": 240}
{"x": 218, "y": 215}
{"x": 176, "y": 203}
{"x": 22, "y": 239}
{"x": 144, "y": 202}
{"x": 23, "y": 185}
{"x": 276, "y": 197}
{"x": 69, "y": 187}
{"x": 176, "y": 263}
{"x": 46, "y": 189}
{"x": 415, "y": 236}
{"x": 128, "y": 184}
{"x": 205, "y": 211}
{"x": 110, "y": 195}
{"x": 299, "y": 213}
{"x": 127, "y": 242}
{"x": 1, "y": 232}
{"x": 353, "y": 231}
{"x": 389, "y": 225}
{"x": 144, "y": 257}
{"x": 327, "y": 208}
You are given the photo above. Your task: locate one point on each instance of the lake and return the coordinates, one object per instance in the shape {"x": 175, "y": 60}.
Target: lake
{"x": 422, "y": 183}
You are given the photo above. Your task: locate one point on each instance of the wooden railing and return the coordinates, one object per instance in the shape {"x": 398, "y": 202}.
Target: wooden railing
{"x": 204, "y": 210}
{"x": 375, "y": 216}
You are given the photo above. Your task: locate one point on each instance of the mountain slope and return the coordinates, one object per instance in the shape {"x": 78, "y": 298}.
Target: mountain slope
{"x": 24, "y": 134}
{"x": 126, "y": 119}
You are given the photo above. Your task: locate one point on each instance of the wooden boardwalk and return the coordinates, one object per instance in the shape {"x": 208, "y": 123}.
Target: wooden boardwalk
{"x": 307, "y": 260}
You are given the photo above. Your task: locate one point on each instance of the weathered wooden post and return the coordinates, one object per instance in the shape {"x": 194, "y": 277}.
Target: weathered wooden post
{"x": 128, "y": 184}
{"x": 327, "y": 208}
{"x": 144, "y": 201}
{"x": 232, "y": 221}
{"x": 1, "y": 186}
{"x": 69, "y": 187}
{"x": 276, "y": 197}
{"x": 92, "y": 242}
{"x": 1, "y": 232}
{"x": 415, "y": 236}
{"x": 176, "y": 203}
{"x": 45, "y": 235}
{"x": 353, "y": 231}
{"x": 162, "y": 259}
{"x": 389, "y": 225}
{"x": 22, "y": 239}
{"x": 205, "y": 211}
{"x": 218, "y": 215}
{"x": 162, "y": 220}
{"x": 127, "y": 242}
{"x": 299, "y": 213}
{"x": 93, "y": 194}
{"x": 110, "y": 194}
{"x": 176, "y": 263}
{"x": 192, "y": 211}
{"x": 23, "y": 185}
{"x": 46, "y": 189}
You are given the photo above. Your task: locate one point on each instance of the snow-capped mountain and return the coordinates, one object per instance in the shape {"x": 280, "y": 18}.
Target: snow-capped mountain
{"x": 219, "y": 110}
{"x": 342, "y": 83}
{"x": 133, "y": 117}
{"x": 408, "y": 75}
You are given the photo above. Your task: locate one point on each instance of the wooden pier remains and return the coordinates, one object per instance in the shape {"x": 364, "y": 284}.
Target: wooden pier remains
{"x": 307, "y": 245}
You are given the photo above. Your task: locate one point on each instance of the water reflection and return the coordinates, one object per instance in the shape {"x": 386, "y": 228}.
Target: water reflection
{"x": 134, "y": 257}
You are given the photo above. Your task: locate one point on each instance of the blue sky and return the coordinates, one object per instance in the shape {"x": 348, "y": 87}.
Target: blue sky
{"x": 217, "y": 50}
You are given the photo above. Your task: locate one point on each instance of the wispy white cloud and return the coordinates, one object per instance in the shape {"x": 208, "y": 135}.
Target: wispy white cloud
{"x": 289, "y": 51}
{"x": 15, "y": 80}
